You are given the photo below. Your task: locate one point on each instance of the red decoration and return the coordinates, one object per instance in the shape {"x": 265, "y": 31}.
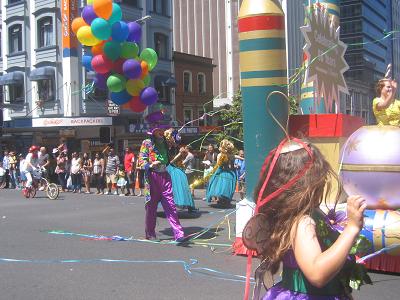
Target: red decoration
{"x": 324, "y": 125}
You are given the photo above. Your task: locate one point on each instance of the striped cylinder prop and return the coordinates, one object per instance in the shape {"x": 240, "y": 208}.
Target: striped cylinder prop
{"x": 263, "y": 69}
{"x": 307, "y": 103}
{"x": 382, "y": 229}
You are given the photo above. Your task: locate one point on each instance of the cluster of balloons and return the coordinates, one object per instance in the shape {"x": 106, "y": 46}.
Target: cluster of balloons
{"x": 115, "y": 56}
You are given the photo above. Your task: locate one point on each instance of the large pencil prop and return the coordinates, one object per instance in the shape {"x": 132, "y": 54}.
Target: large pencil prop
{"x": 307, "y": 101}
{"x": 262, "y": 70}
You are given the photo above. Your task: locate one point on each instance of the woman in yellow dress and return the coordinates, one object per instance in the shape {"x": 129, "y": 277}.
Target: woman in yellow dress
{"x": 386, "y": 108}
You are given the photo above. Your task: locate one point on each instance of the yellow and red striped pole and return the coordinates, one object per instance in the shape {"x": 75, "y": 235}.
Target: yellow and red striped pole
{"x": 263, "y": 69}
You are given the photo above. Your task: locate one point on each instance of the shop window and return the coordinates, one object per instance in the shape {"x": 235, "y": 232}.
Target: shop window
{"x": 15, "y": 38}
{"x": 202, "y": 122}
{"x": 160, "y": 7}
{"x": 46, "y": 90}
{"x": 16, "y": 93}
{"x": 45, "y": 32}
{"x": 201, "y": 81}
{"x": 187, "y": 81}
{"x": 161, "y": 45}
{"x": 187, "y": 115}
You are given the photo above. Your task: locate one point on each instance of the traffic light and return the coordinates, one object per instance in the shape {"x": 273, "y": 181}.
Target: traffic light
{"x": 105, "y": 135}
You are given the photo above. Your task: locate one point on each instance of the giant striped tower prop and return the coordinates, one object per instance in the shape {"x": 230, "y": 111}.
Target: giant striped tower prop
{"x": 263, "y": 69}
{"x": 307, "y": 89}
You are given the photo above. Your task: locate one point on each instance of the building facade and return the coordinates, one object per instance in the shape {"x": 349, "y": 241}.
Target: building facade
{"x": 208, "y": 28}
{"x": 43, "y": 81}
{"x": 362, "y": 27}
{"x": 194, "y": 87}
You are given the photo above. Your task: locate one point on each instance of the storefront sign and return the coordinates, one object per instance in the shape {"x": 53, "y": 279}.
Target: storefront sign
{"x": 206, "y": 129}
{"x": 138, "y": 128}
{"x": 69, "y": 11}
{"x": 112, "y": 108}
{"x": 71, "y": 122}
{"x": 189, "y": 130}
{"x": 67, "y": 132}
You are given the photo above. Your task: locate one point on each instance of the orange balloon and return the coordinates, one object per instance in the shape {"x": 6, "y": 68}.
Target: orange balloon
{"x": 103, "y": 8}
{"x": 77, "y": 23}
{"x": 98, "y": 49}
{"x": 145, "y": 69}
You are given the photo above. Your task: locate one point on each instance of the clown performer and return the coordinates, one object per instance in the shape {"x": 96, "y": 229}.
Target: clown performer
{"x": 154, "y": 158}
{"x": 182, "y": 195}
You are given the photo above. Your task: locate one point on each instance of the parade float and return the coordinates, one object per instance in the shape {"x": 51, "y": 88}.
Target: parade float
{"x": 365, "y": 157}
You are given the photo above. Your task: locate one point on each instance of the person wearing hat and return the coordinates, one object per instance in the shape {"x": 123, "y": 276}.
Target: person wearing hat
{"x": 154, "y": 158}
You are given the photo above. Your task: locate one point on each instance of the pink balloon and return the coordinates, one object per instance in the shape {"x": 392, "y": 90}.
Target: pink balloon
{"x": 101, "y": 64}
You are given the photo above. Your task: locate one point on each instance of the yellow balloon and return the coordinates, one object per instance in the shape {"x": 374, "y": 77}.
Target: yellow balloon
{"x": 86, "y": 37}
{"x": 134, "y": 86}
{"x": 89, "y": 2}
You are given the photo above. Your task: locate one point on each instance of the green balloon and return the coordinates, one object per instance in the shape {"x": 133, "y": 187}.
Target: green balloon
{"x": 116, "y": 83}
{"x": 129, "y": 50}
{"x": 116, "y": 14}
{"x": 112, "y": 50}
{"x": 149, "y": 56}
{"x": 147, "y": 80}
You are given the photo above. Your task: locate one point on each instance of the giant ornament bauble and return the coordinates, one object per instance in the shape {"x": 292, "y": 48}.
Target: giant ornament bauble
{"x": 371, "y": 166}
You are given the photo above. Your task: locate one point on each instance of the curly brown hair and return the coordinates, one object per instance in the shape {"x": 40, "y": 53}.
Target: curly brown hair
{"x": 379, "y": 86}
{"x": 285, "y": 211}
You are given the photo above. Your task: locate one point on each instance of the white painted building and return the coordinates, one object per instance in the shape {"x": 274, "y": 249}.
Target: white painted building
{"x": 42, "y": 78}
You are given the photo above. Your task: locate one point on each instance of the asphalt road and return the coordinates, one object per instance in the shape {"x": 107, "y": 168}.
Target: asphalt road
{"x": 69, "y": 266}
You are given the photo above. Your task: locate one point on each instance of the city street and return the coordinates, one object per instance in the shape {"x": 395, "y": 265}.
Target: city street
{"x": 70, "y": 266}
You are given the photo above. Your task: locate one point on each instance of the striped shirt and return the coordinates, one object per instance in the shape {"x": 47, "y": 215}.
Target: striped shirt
{"x": 112, "y": 164}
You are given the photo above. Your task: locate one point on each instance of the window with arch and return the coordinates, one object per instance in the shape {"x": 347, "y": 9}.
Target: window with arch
{"x": 15, "y": 38}
{"x": 45, "y": 32}
{"x": 201, "y": 82}
{"x": 187, "y": 81}
{"x": 161, "y": 45}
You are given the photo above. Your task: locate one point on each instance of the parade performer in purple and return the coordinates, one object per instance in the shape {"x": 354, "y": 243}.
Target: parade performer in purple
{"x": 154, "y": 158}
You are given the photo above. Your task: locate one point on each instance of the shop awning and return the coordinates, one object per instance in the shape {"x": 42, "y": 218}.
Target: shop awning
{"x": 42, "y": 73}
{"x": 16, "y": 77}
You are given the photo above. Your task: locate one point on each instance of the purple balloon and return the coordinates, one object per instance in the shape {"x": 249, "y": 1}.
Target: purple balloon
{"x": 135, "y": 32}
{"x": 100, "y": 80}
{"x": 88, "y": 14}
{"x": 132, "y": 69}
{"x": 149, "y": 96}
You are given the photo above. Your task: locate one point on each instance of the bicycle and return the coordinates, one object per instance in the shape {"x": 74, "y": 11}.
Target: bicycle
{"x": 2, "y": 178}
{"x": 51, "y": 189}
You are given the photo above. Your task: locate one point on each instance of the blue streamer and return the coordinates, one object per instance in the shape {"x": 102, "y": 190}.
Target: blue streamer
{"x": 187, "y": 266}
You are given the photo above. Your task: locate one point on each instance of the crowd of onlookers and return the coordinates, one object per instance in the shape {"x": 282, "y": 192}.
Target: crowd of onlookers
{"x": 104, "y": 172}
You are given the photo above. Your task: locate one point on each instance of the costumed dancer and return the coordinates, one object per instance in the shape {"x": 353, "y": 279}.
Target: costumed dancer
{"x": 289, "y": 227}
{"x": 182, "y": 195}
{"x": 222, "y": 183}
{"x": 385, "y": 106}
{"x": 154, "y": 158}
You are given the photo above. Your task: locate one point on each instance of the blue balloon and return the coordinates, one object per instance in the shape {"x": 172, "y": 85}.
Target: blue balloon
{"x": 120, "y": 97}
{"x": 87, "y": 62}
{"x": 119, "y": 31}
